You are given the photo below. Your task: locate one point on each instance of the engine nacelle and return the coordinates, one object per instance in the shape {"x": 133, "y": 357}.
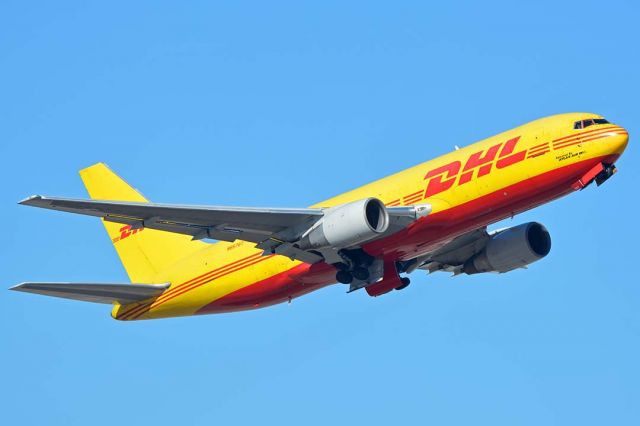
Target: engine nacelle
{"x": 347, "y": 225}
{"x": 512, "y": 248}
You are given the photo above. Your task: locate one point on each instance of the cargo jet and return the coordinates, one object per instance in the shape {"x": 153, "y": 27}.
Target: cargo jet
{"x": 190, "y": 260}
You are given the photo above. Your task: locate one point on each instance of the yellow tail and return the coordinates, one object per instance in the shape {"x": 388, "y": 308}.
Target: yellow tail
{"x": 144, "y": 253}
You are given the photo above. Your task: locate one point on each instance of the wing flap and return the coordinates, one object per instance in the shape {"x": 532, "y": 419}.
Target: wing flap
{"x": 95, "y": 292}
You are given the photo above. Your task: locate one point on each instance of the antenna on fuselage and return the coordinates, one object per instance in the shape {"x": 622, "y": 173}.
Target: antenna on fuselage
{"x": 456, "y": 147}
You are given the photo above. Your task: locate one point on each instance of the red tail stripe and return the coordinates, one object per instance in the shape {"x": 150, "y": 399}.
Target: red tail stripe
{"x": 181, "y": 286}
{"x": 200, "y": 283}
{"x": 182, "y": 289}
{"x": 208, "y": 278}
{"x": 188, "y": 285}
{"x": 214, "y": 271}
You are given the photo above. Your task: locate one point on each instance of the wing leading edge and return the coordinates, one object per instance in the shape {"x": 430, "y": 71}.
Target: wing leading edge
{"x": 275, "y": 230}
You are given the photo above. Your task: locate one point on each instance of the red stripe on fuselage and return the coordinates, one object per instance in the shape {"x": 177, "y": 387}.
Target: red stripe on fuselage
{"x": 193, "y": 283}
{"x": 602, "y": 129}
{"x": 582, "y": 136}
{"x": 587, "y": 139}
{"x": 199, "y": 283}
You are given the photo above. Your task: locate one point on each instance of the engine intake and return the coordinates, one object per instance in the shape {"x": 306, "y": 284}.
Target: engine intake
{"x": 347, "y": 225}
{"x": 512, "y": 248}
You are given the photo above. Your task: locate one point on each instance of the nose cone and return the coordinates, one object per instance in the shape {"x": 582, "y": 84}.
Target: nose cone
{"x": 619, "y": 140}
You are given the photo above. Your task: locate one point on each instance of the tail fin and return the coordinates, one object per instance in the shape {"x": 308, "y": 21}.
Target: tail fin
{"x": 145, "y": 252}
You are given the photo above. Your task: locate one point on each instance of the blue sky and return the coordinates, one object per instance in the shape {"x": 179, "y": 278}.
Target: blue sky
{"x": 285, "y": 104}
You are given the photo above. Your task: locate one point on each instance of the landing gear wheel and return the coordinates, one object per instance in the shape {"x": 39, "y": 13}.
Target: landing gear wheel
{"x": 360, "y": 273}
{"x": 344, "y": 277}
{"x": 405, "y": 283}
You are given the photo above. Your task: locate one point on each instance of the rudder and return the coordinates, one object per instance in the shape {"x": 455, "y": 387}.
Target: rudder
{"x": 144, "y": 253}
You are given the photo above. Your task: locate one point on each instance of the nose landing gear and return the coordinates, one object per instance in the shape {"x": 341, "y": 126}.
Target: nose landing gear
{"x": 608, "y": 171}
{"x": 599, "y": 174}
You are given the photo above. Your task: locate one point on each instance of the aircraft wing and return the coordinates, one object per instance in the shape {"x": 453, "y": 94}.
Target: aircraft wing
{"x": 93, "y": 292}
{"x": 274, "y": 230}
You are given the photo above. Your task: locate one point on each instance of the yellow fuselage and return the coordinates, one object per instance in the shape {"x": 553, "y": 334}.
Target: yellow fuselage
{"x": 468, "y": 188}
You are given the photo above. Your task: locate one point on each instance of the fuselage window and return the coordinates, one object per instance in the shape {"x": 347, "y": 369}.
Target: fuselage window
{"x": 577, "y": 125}
{"x": 600, "y": 121}
{"x": 587, "y": 123}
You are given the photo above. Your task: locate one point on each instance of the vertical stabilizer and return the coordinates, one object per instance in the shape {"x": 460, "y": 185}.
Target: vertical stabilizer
{"x": 144, "y": 252}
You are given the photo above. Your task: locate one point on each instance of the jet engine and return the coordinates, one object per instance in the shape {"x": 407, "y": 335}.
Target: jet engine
{"x": 347, "y": 225}
{"x": 511, "y": 248}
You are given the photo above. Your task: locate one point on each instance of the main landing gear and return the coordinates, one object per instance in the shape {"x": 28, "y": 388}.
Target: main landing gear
{"x": 358, "y": 266}
{"x": 355, "y": 265}
{"x": 346, "y": 276}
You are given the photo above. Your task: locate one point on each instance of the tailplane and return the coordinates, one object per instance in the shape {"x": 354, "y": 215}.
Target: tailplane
{"x": 144, "y": 253}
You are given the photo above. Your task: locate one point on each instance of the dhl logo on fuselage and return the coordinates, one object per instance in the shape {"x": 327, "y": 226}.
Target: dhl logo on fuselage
{"x": 502, "y": 155}
{"x": 444, "y": 177}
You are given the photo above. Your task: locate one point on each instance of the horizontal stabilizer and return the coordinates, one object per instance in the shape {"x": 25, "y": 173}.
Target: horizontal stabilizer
{"x": 97, "y": 293}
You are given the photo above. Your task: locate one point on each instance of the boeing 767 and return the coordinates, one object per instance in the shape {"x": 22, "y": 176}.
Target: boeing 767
{"x": 431, "y": 217}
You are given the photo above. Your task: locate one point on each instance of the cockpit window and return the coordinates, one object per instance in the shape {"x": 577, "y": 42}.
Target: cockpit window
{"x": 583, "y": 124}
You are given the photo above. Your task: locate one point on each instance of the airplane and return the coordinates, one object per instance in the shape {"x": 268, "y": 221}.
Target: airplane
{"x": 191, "y": 260}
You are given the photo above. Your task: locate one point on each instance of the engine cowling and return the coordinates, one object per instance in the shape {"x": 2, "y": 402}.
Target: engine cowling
{"x": 512, "y": 248}
{"x": 348, "y": 225}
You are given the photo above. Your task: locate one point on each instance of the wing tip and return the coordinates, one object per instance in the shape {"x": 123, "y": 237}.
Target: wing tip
{"x": 19, "y": 287}
{"x": 31, "y": 200}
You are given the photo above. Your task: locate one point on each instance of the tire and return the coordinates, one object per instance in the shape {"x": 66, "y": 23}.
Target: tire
{"x": 344, "y": 277}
